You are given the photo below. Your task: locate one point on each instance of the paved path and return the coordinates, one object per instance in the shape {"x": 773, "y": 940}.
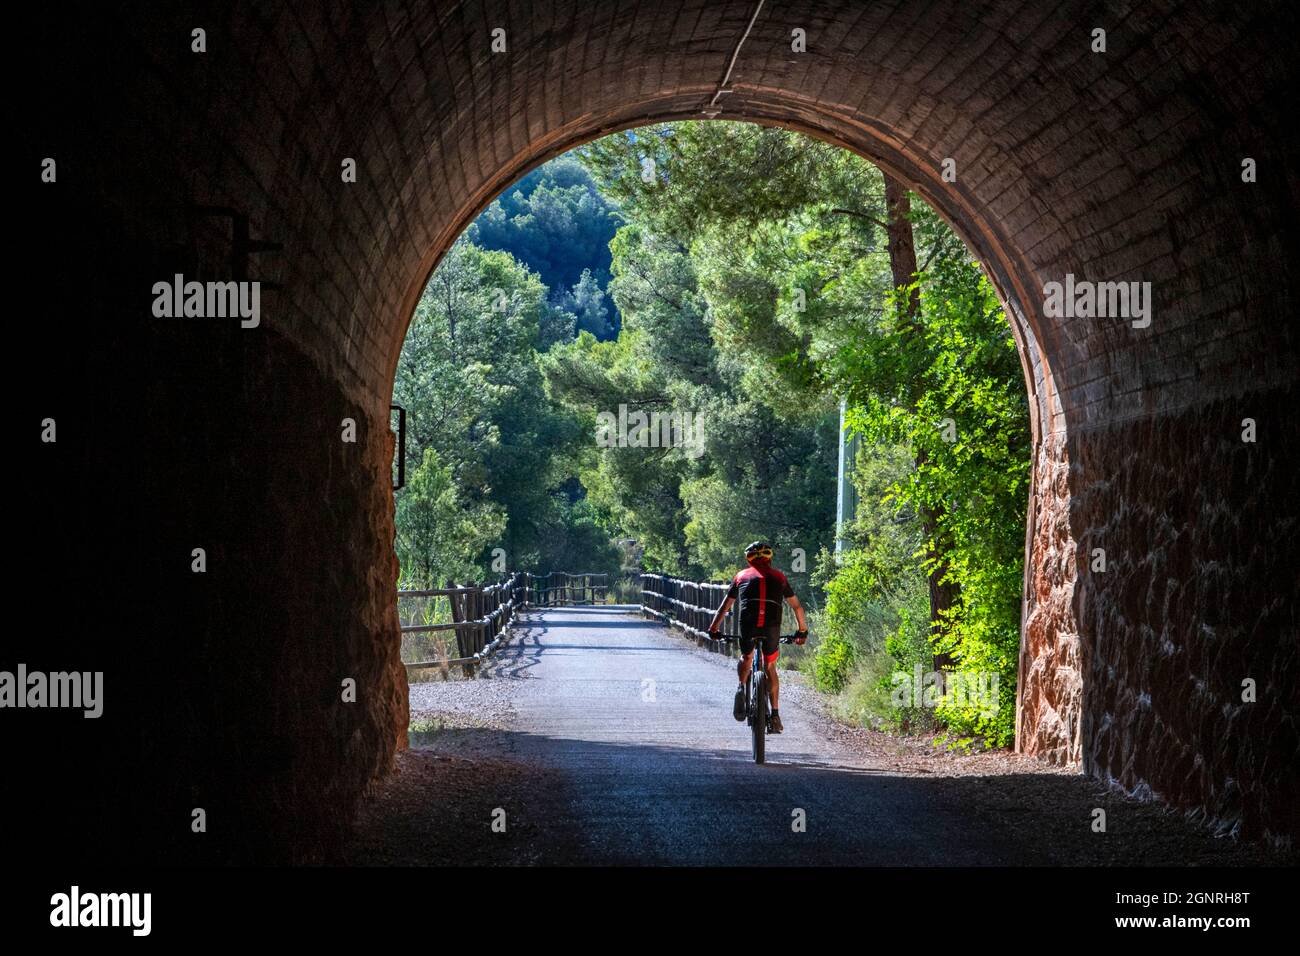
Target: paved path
{"x": 638, "y": 722}
{"x": 609, "y": 740}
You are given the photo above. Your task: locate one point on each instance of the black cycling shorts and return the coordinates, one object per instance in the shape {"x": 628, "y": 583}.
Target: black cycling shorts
{"x": 771, "y": 635}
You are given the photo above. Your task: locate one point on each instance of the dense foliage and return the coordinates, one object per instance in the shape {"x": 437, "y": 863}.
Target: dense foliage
{"x": 787, "y": 243}
{"x": 556, "y": 222}
{"x": 745, "y": 276}
{"x": 490, "y": 459}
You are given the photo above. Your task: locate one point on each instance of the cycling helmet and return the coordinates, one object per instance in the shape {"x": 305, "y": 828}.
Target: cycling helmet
{"x": 758, "y": 551}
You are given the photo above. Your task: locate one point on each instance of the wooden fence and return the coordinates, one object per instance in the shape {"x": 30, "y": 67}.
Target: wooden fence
{"x": 481, "y": 614}
{"x": 561, "y": 588}
{"x": 690, "y": 606}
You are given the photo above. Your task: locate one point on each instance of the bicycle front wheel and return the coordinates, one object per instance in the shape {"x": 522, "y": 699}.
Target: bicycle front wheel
{"x": 759, "y": 714}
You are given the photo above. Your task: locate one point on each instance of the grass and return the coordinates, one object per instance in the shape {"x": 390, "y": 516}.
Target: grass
{"x": 867, "y": 699}
{"x": 422, "y": 730}
{"x": 626, "y": 591}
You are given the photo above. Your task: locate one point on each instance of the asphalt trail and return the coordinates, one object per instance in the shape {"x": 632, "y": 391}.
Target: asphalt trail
{"x": 606, "y": 738}
{"x": 637, "y": 724}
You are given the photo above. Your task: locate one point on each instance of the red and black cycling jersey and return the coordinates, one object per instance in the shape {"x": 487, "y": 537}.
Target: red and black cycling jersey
{"x": 760, "y": 591}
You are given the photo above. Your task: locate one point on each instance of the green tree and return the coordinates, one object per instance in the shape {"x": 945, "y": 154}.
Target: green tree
{"x": 437, "y": 531}
{"x": 586, "y": 300}
{"x": 952, "y": 393}
{"x": 470, "y": 378}
{"x": 823, "y": 279}
{"x": 559, "y": 224}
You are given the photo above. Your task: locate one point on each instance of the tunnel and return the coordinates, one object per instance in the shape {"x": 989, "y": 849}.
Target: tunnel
{"x": 211, "y": 142}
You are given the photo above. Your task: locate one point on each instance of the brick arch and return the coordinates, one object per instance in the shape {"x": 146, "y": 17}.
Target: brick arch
{"x": 1056, "y": 681}
{"x": 1123, "y": 166}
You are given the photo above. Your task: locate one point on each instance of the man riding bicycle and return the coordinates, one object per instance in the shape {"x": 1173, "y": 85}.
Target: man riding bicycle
{"x": 761, "y": 589}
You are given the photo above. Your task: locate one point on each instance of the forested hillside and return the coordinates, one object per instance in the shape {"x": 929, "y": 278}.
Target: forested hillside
{"x": 559, "y": 224}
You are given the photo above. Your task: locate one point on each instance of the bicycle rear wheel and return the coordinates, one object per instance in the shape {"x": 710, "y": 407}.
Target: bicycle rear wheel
{"x": 759, "y": 714}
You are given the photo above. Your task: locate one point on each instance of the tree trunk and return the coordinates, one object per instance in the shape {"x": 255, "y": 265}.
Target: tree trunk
{"x": 902, "y": 243}
{"x": 902, "y": 264}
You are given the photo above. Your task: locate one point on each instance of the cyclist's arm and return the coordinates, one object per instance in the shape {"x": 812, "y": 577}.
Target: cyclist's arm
{"x": 798, "y": 612}
{"x": 722, "y": 612}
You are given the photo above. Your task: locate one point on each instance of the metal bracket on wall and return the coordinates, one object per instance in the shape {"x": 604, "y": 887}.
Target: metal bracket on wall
{"x": 241, "y": 245}
{"x": 401, "y": 445}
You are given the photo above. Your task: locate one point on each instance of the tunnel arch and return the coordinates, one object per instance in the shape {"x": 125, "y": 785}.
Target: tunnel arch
{"x": 1121, "y": 166}
{"x": 1006, "y": 270}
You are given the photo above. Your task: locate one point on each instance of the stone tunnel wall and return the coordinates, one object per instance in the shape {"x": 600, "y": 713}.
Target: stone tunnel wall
{"x": 1139, "y": 669}
{"x": 1049, "y": 702}
{"x": 1198, "y": 597}
{"x": 176, "y": 435}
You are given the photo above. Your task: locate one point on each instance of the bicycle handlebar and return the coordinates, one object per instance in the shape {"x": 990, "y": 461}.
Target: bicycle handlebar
{"x": 785, "y": 638}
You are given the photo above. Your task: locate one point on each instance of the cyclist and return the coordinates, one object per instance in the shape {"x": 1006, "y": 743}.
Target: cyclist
{"x": 761, "y": 589}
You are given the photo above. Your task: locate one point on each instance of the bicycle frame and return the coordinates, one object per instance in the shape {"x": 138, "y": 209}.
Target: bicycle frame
{"x": 758, "y": 708}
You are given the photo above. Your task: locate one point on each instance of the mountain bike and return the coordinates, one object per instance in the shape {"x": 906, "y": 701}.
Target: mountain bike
{"x": 758, "y": 702}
